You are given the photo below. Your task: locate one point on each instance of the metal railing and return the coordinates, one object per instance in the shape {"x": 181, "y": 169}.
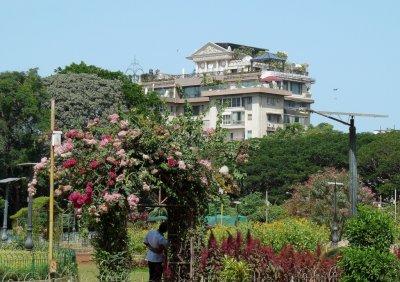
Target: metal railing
{"x": 20, "y": 265}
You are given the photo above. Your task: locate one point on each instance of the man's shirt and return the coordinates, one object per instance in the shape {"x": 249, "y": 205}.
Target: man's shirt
{"x": 155, "y": 240}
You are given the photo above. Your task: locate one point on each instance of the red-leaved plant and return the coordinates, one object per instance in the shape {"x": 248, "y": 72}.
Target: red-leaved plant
{"x": 265, "y": 263}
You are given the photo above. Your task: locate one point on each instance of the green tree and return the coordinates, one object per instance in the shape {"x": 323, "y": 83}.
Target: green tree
{"x": 379, "y": 163}
{"x": 23, "y": 119}
{"x": 131, "y": 94}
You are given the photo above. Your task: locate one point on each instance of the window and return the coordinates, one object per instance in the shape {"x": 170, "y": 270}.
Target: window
{"x": 250, "y": 117}
{"x": 295, "y": 88}
{"x": 236, "y": 102}
{"x": 247, "y": 103}
{"x": 231, "y": 135}
{"x": 286, "y": 119}
{"x": 285, "y": 85}
{"x": 226, "y": 119}
{"x": 196, "y": 110}
{"x": 296, "y": 119}
{"x": 272, "y": 101}
{"x": 249, "y": 133}
{"x": 237, "y": 118}
{"x": 191, "y": 92}
{"x": 290, "y": 104}
{"x": 274, "y": 118}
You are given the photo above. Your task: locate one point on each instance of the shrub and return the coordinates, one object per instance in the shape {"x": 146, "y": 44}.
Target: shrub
{"x": 262, "y": 262}
{"x": 371, "y": 228}
{"x": 302, "y": 234}
{"x": 368, "y": 264}
{"x": 235, "y": 271}
{"x": 136, "y": 238}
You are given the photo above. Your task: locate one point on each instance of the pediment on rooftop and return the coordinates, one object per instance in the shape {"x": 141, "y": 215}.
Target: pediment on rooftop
{"x": 210, "y": 51}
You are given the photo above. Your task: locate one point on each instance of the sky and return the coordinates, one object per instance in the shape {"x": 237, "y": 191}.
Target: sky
{"x": 352, "y": 46}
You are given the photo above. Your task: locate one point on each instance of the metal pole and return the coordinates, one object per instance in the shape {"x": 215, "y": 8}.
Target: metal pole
{"x": 353, "y": 167}
{"x": 335, "y": 228}
{"x": 395, "y": 205}
{"x": 51, "y": 200}
{"x": 29, "y": 240}
{"x": 4, "y": 235}
{"x": 266, "y": 206}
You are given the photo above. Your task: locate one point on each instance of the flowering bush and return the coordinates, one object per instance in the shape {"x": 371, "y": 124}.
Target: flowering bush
{"x": 105, "y": 171}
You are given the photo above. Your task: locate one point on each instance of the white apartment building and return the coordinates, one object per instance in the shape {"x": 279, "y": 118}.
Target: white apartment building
{"x": 259, "y": 91}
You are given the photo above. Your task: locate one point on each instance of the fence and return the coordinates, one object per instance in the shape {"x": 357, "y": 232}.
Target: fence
{"x": 21, "y": 265}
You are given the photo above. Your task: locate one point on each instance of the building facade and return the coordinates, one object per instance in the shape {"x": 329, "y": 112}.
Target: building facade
{"x": 256, "y": 91}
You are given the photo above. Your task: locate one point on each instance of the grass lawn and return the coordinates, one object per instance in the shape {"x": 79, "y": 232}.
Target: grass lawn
{"x": 88, "y": 273}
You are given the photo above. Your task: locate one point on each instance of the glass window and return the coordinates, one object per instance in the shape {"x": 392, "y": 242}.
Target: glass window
{"x": 296, "y": 119}
{"x": 272, "y": 101}
{"x": 295, "y": 88}
{"x": 196, "y": 110}
{"x": 249, "y": 133}
{"x": 231, "y": 135}
{"x": 250, "y": 117}
{"x": 285, "y": 85}
{"x": 226, "y": 119}
{"x": 247, "y": 103}
{"x": 191, "y": 91}
{"x": 237, "y": 117}
{"x": 236, "y": 102}
{"x": 274, "y": 118}
{"x": 286, "y": 119}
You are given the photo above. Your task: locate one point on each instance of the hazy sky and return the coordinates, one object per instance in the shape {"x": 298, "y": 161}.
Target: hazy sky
{"x": 350, "y": 45}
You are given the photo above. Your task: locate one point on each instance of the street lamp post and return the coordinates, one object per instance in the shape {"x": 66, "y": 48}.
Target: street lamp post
{"x": 6, "y": 182}
{"x": 335, "y": 223}
{"x": 237, "y": 203}
{"x": 29, "y": 227}
{"x": 4, "y": 235}
{"x": 352, "y": 148}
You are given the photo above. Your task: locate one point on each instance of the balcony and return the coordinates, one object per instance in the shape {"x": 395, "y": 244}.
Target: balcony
{"x": 233, "y": 124}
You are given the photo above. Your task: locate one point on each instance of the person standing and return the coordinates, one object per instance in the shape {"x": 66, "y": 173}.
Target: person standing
{"x": 156, "y": 246}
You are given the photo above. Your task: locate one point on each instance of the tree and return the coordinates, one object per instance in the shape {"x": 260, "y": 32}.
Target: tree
{"x": 379, "y": 163}
{"x": 292, "y": 154}
{"x": 132, "y": 94}
{"x": 23, "y": 119}
{"x": 314, "y": 198}
{"x": 80, "y": 97}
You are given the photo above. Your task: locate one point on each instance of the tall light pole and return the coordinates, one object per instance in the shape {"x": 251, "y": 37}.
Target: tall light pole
{"x": 6, "y": 182}
{"x": 352, "y": 148}
{"x": 29, "y": 227}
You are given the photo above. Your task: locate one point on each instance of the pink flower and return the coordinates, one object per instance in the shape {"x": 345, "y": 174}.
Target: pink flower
{"x": 103, "y": 208}
{"x": 204, "y": 180}
{"x": 90, "y": 141}
{"x": 112, "y": 198}
{"x": 122, "y": 133}
{"x": 73, "y": 133}
{"x": 182, "y": 165}
{"x": 123, "y": 124}
{"x": 69, "y": 163}
{"x": 57, "y": 192}
{"x": 120, "y": 177}
{"x": 111, "y": 160}
{"x": 94, "y": 164}
{"x": 113, "y": 118}
{"x": 171, "y": 162}
{"x": 206, "y": 164}
{"x": 133, "y": 200}
{"x": 117, "y": 144}
{"x": 121, "y": 153}
{"x": 105, "y": 140}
